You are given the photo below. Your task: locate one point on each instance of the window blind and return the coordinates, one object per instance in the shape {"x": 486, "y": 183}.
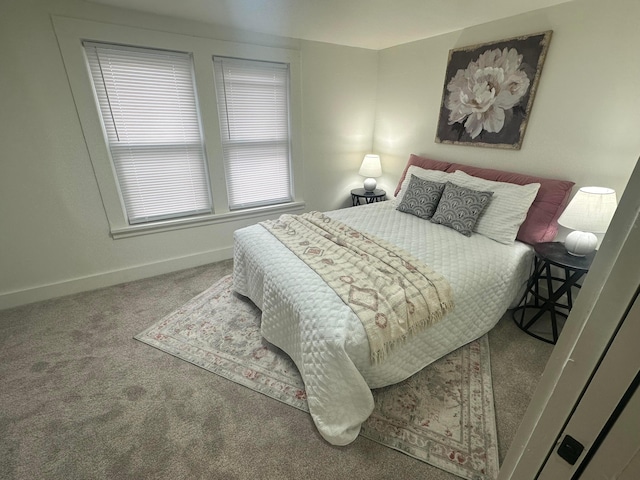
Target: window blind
{"x": 149, "y": 110}
{"x": 253, "y": 108}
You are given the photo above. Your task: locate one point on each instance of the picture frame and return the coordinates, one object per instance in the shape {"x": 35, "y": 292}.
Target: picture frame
{"x": 489, "y": 90}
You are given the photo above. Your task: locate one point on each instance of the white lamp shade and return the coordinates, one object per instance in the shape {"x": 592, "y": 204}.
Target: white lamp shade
{"x": 371, "y": 166}
{"x": 590, "y": 210}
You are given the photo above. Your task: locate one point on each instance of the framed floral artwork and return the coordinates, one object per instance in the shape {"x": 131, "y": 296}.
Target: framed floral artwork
{"x": 489, "y": 90}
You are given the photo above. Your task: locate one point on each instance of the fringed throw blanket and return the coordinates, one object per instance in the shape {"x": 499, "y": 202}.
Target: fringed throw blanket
{"x": 392, "y": 293}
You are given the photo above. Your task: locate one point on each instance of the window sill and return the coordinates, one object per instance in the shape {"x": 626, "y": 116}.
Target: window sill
{"x": 202, "y": 220}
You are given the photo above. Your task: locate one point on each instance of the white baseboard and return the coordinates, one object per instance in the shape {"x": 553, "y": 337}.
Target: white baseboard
{"x": 106, "y": 279}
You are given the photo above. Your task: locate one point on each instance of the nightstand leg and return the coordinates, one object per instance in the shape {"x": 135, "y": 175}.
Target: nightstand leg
{"x": 550, "y": 303}
{"x": 552, "y": 311}
{"x": 566, "y": 279}
{"x": 539, "y": 269}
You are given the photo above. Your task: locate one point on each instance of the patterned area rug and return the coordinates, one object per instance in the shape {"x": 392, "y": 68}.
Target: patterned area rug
{"x": 443, "y": 415}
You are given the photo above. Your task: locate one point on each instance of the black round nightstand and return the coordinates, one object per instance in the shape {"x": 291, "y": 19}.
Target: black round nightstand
{"x": 546, "y": 306}
{"x": 369, "y": 197}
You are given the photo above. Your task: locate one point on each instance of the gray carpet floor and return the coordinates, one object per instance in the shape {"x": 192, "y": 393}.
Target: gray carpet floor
{"x": 81, "y": 399}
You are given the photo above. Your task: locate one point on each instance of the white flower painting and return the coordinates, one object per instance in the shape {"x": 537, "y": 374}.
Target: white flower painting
{"x": 480, "y": 94}
{"x": 489, "y": 91}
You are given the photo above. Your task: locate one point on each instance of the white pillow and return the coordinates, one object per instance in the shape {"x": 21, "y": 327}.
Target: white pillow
{"x": 507, "y": 209}
{"x": 431, "y": 175}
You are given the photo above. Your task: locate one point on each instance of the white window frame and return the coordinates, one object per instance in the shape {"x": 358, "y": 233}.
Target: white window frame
{"x": 144, "y": 149}
{"x": 255, "y": 153}
{"x": 72, "y": 32}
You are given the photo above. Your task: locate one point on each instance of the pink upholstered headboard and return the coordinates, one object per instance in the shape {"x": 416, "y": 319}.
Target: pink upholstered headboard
{"x": 541, "y": 224}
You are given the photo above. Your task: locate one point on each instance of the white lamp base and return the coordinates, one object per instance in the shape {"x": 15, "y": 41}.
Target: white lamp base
{"x": 580, "y": 243}
{"x": 370, "y": 184}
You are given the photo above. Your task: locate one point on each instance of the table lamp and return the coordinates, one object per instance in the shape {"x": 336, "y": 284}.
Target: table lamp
{"x": 370, "y": 168}
{"x": 590, "y": 211}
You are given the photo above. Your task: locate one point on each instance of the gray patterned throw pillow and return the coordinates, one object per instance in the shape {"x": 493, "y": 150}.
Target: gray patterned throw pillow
{"x": 460, "y": 207}
{"x": 421, "y": 198}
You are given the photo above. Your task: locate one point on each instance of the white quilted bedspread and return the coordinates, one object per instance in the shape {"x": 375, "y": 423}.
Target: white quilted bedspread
{"x": 305, "y": 318}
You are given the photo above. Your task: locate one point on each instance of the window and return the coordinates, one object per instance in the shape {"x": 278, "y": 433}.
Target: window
{"x": 148, "y": 106}
{"x": 253, "y": 108}
{"x": 150, "y": 116}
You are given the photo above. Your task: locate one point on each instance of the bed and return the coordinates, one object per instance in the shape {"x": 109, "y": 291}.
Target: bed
{"x": 303, "y": 315}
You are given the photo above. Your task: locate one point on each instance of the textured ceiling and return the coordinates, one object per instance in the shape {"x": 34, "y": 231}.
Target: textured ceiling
{"x": 374, "y": 24}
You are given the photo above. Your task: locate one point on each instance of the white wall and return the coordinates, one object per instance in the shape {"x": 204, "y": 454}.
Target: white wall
{"x": 54, "y": 232}
{"x": 339, "y": 114}
{"x": 585, "y": 117}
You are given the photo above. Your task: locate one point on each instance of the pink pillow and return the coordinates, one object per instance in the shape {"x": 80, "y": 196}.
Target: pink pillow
{"x": 422, "y": 162}
{"x": 541, "y": 224}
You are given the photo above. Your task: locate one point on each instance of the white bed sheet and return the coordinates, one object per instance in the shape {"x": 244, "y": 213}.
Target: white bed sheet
{"x": 305, "y": 318}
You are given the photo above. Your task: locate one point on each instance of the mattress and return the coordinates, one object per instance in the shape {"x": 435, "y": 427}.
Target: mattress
{"x": 305, "y": 318}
